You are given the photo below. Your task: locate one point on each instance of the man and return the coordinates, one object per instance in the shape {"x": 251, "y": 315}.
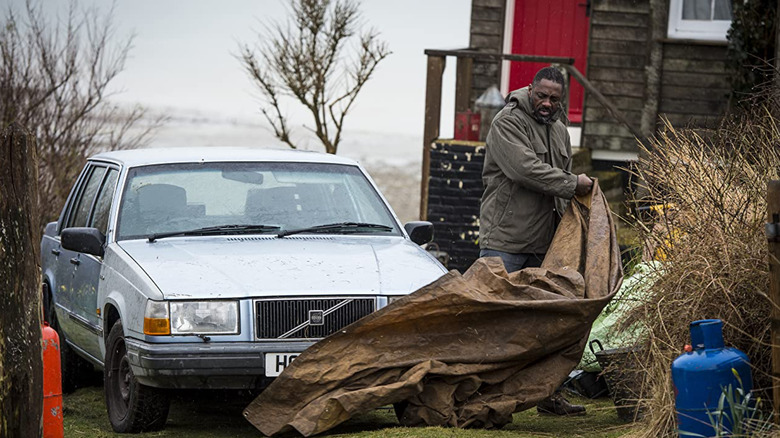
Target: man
{"x": 528, "y": 185}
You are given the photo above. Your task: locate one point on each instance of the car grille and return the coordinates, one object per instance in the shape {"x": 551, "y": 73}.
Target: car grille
{"x": 289, "y": 318}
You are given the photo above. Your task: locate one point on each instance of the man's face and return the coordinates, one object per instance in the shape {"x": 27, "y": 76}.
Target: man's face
{"x": 546, "y": 100}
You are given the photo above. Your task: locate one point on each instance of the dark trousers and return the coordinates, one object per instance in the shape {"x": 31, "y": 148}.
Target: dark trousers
{"x": 514, "y": 262}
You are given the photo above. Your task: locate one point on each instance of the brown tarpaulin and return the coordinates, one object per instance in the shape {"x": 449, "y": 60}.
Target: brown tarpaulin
{"x": 466, "y": 350}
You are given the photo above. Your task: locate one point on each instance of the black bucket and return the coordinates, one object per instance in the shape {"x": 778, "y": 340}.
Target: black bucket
{"x": 620, "y": 368}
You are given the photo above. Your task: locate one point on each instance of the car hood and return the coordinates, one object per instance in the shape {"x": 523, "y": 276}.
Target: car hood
{"x": 254, "y": 266}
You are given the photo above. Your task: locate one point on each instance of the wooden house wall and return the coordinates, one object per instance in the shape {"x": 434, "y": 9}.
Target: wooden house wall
{"x": 692, "y": 90}
{"x": 487, "y": 34}
{"x": 617, "y": 55}
{"x": 694, "y": 85}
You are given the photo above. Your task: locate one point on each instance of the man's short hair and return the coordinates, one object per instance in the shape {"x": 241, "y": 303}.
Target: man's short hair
{"x": 552, "y": 74}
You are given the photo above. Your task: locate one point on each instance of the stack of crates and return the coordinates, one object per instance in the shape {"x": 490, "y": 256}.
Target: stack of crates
{"x": 454, "y": 195}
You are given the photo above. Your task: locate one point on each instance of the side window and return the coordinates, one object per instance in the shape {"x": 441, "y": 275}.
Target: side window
{"x": 103, "y": 204}
{"x": 80, "y": 214}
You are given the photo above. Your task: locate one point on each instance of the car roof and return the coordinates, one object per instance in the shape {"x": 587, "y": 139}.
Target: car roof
{"x": 148, "y": 156}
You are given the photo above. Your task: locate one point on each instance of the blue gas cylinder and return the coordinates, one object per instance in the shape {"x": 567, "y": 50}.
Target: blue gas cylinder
{"x": 700, "y": 374}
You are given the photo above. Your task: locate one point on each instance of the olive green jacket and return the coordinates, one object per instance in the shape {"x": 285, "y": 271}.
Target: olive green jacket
{"x": 527, "y": 178}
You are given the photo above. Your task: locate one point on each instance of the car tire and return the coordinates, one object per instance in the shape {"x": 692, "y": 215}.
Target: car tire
{"x": 399, "y": 409}
{"x": 75, "y": 369}
{"x": 132, "y": 407}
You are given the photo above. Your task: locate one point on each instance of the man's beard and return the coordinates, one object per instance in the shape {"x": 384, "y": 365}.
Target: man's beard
{"x": 545, "y": 119}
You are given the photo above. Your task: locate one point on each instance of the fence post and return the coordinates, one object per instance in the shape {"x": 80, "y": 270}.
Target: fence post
{"x": 773, "y": 238}
{"x": 432, "y": 123}
{"x": 21, "y": 364}
{"x": 463, "y": 80}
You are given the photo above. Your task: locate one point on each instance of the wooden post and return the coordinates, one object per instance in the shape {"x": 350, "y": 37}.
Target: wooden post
{"x": 463, "y": 84}
{"x": 773, "y": 236}
{"x": 432, "y": 124}
{"x": 21, "y": 364}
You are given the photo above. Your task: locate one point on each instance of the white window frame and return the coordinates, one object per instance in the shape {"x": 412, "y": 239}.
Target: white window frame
{"x": 714, "y": 30}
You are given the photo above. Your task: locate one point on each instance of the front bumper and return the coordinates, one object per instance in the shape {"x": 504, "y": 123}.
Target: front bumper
{"x": 234, "y": 365}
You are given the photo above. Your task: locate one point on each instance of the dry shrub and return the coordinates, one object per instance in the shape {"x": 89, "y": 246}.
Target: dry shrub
{"x": 56, "y": 72}
{"x": 712, "y": 239}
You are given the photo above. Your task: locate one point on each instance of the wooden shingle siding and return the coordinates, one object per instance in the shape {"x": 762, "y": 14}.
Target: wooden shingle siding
{"x": 622, "y": 33}
{"x": 601, "y": 74}
{"x": 685, "y": 79}
{"x": 617, "y": 46}
{"x": 617, "y": 56}
{"x": 635, "y": 6}
{"x": 487, "y": 34}
{"x": 692, "y": 120}
{"x": 619, "y": 19}
{"x": 694, "y": 85}
{"x": 620, "y": 61}
{"x": 597, "y": 114}
{"x": 627, "y": 89}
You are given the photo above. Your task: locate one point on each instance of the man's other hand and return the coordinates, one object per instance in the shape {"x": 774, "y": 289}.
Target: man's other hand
{"x": 584, "y": 184}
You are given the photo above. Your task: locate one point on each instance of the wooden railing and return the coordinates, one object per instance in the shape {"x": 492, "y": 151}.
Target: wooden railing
{"x": 464, "y": 63}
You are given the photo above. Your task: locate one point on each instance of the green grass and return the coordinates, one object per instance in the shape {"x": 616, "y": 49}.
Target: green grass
{"x": 200, "y": 415}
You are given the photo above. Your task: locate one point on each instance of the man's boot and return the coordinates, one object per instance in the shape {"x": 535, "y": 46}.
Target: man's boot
{"x": 557, "y": 404}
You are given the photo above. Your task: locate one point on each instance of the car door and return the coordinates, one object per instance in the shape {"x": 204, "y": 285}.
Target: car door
{"x": 89, "y": 209}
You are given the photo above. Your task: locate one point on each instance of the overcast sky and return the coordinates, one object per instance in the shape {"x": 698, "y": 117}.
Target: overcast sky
{"x": 183, "y": 56}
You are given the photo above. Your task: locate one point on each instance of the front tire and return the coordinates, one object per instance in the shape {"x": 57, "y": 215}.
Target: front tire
{"x": 132, "y": 407}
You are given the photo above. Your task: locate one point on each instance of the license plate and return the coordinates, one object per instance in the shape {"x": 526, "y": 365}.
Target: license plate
{"x": 275, "y": 363}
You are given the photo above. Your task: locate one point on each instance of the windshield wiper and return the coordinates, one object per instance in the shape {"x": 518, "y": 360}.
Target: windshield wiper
{"x": 221, "y": 229}
{"x": 341, "y": 226}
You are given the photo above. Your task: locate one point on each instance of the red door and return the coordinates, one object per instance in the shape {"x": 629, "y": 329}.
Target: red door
{"x": 550, "y": 28}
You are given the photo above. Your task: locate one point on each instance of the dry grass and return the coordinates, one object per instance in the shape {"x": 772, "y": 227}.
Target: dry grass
{"x": 713, "y": 243}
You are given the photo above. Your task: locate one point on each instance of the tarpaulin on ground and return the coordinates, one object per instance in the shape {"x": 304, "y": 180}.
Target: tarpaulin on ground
{"x": 466, "y": 350}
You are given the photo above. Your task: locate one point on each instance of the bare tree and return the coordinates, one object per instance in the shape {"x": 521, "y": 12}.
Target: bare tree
{"x": 54, "y": 81}
{"x": 304, "y": 60}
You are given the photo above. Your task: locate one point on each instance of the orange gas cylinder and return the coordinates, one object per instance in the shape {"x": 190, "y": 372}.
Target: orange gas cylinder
{"x": 52, "y": 385}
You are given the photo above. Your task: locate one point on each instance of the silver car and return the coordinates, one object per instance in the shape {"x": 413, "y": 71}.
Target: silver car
{"x": 215, "y": 267}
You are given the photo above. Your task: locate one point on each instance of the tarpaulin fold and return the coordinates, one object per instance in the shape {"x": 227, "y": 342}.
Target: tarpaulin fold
{"x": 464, "y": 351}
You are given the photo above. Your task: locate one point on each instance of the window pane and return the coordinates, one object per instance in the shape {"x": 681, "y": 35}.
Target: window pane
{"x": 723, "y": 10}
{"x": 697, "y": 10}
{"x": 100, "y": 217}
{"x": 81, "y": 212}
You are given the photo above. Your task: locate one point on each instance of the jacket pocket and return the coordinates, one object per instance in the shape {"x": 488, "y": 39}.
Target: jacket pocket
{"x": 503, "y": 196}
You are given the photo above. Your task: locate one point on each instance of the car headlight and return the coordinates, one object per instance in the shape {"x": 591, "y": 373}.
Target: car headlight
{"x": 191, "y": 317}
{"x": 204, "y": 317}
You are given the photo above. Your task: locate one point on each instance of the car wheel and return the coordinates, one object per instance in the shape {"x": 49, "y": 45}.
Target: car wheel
{"x": 48, "y": 309}
{"x": 399, "y": 409}
{"x": 132, "y": 407}
{"x": 74, "y": 368}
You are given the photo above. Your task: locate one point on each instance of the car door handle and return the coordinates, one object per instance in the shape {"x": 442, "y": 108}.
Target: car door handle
{"x": 75, "y": 261}
{"x": 55, "y": 251}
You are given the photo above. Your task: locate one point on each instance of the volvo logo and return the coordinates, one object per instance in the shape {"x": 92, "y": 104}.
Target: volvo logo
{"x": 316, "y": 317}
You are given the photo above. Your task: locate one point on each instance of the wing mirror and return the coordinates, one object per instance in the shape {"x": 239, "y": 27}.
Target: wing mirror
{"x": 83, "y": 239}
{"x": 421, "y": 232}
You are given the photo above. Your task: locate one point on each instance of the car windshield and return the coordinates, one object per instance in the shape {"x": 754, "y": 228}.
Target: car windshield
{"x": 179, "y": 198}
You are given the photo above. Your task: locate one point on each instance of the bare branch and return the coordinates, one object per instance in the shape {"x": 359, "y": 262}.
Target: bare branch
{"x": 304, "y": 61}
{"x": 54, "y": 80}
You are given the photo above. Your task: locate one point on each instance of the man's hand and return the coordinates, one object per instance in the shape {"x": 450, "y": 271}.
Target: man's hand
{"x": 584, "y": 184}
